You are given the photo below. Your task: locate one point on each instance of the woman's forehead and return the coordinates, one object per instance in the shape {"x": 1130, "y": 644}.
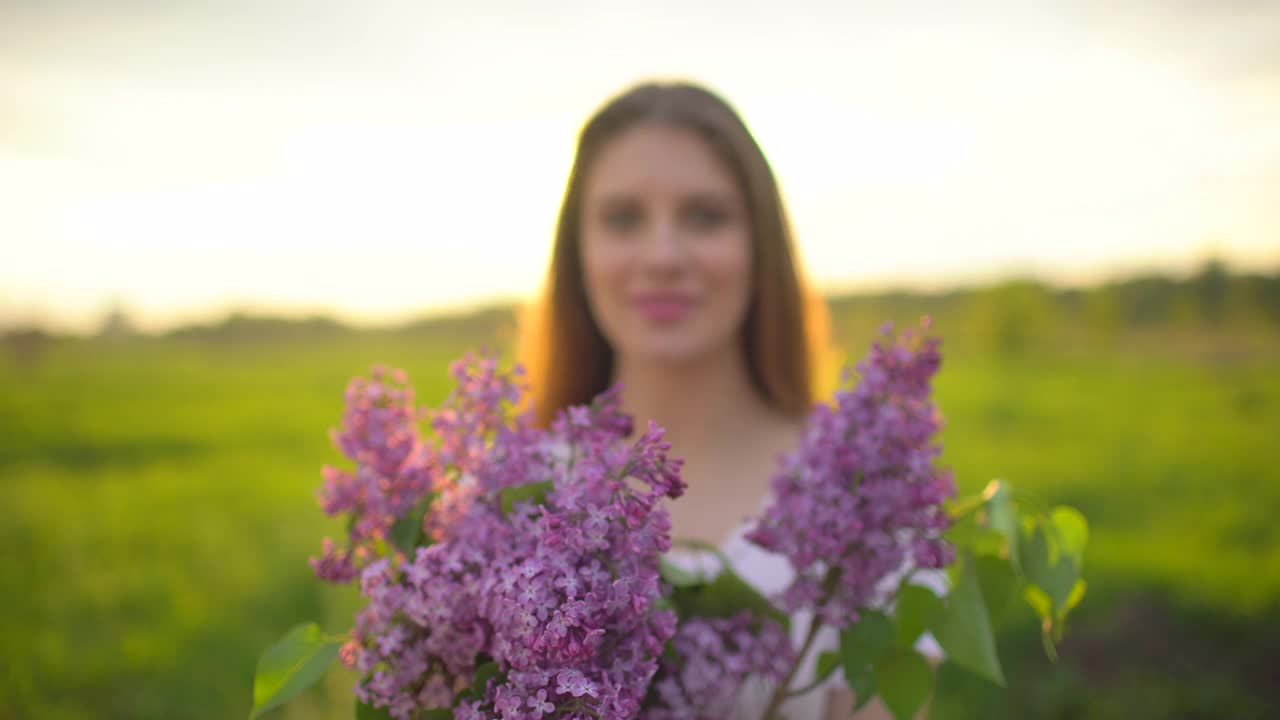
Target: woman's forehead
{"x": 659, "y": 160}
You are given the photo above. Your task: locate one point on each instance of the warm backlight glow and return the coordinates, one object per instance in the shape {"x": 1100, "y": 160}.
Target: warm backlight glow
{"x": 404, "y": 168}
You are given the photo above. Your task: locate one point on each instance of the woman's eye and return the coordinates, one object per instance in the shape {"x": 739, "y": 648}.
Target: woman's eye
{"x": 705, "y": 217}
{"x": 622, "y": 219}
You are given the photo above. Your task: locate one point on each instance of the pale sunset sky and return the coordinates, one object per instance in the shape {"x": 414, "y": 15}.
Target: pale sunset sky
{"x": 378, "y": 160}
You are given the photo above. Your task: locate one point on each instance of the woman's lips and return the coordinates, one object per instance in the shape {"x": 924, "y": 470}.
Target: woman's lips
{"x": 662, "y": 308}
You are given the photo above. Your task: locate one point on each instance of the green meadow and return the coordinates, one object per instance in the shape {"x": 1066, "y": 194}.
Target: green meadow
{"x": 158, "y": 497}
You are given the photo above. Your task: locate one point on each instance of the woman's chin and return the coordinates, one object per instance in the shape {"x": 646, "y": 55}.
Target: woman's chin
{"x": 675, "y": 351}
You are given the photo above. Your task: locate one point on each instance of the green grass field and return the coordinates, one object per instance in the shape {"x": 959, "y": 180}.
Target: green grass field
{"x": 159, "y": 508}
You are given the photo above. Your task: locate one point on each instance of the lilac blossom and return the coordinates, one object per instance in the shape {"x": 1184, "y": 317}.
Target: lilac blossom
{"x": 394, "y": 470}
{"x": 709, "y": 661}
{"x": 562, "y": 590}
{"x": 861, "y": 498}
{"x": 561, "y": 593}
{"x": 573, "y": 609}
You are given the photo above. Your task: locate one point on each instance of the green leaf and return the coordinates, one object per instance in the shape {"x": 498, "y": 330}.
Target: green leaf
{"x": 1039, "y": 602}
{"x": 828, "y": 661}
{"x": 904, "y": 680}
{"x": 368, "y": 712}
{"x": 1060, "y": 584}
{"x": 406, "y": 532}
{"x": 484, "y": 672}
{"x": 724, "y": 596}
{"x": 964, "y": 627}
{"x": 535, "y": 492}
{"x": 917, "y": 608}
{"x": 960, "y": 507}
{"x": 999, "y": 584}
{"x": 1077, "y": 594}
{"x": 1001, "y": 515}
{"x": 1053, "y": 572}
{"x": 968, "y": 533}
{"x": 292, "y": 665}
{"x": 1071, "y": 531}
{"x": 863, "y": 642}
{"x": 863, "y": 687}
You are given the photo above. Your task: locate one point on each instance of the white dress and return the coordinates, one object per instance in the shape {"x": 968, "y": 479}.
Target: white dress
{"x": 770, "y": 574}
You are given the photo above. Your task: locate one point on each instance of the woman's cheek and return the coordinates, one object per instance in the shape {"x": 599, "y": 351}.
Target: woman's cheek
{"x": 728, "y": 267}
{"x": 613, "y": 271}
{"x": 617, "y": 272}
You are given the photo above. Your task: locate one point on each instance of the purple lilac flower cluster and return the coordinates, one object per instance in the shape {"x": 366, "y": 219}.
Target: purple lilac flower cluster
{"x": 393, "y": 469}
{"x": 396, "y": 469}
{"x": 709, "y": 661}
{"x": 560, "y": 593}
{"x": 861, "y": 498}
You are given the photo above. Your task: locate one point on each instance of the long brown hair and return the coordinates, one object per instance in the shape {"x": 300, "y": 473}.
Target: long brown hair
{"x": 785, "y": 332}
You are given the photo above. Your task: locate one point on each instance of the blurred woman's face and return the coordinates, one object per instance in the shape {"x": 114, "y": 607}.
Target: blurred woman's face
{"x": 666, "y": 247}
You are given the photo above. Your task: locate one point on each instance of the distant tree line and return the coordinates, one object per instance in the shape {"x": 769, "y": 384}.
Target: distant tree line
{"x": 1021, "y": 314}
{"x": 1010, "y": 316}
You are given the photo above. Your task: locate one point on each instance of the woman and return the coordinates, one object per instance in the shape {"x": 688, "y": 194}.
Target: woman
{"x": 673, "y": 273}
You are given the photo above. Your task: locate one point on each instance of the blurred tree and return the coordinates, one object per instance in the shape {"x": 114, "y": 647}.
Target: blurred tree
{"x": 1211, "y": 288}
{"x": 1147, "y": 300}
{"x": 1012, "y": 317}
{"x": 241, "y": 326}
{"x": 1264, "y": 294}
{"x": 26, "y": 345}
{"x": 1102, "y": 313}
{"x": 117, "y": 324}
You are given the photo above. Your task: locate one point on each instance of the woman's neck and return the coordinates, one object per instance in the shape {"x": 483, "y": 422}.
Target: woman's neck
{"x": 703, "y": 406}
{"x": 727, "y": 435}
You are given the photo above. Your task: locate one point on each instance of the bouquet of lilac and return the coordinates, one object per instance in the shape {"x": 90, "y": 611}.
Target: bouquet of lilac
{"x": 517, "y": 573}
{"x": 523, "y": 582}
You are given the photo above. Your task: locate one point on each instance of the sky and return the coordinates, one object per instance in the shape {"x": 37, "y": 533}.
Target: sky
{"x": 380, "y": 160}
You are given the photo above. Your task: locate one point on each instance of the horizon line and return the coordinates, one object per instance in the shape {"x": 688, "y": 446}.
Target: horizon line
{"x": 214, "y": 315}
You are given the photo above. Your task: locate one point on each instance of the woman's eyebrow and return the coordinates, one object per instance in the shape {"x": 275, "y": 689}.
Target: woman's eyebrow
{"x": 715, "y": 197}
{"x": 616, "y": 198}
{"x": 712, "y": 197}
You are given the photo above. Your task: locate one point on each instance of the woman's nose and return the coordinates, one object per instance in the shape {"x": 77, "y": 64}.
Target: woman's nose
{"x": 663, "y": 247}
